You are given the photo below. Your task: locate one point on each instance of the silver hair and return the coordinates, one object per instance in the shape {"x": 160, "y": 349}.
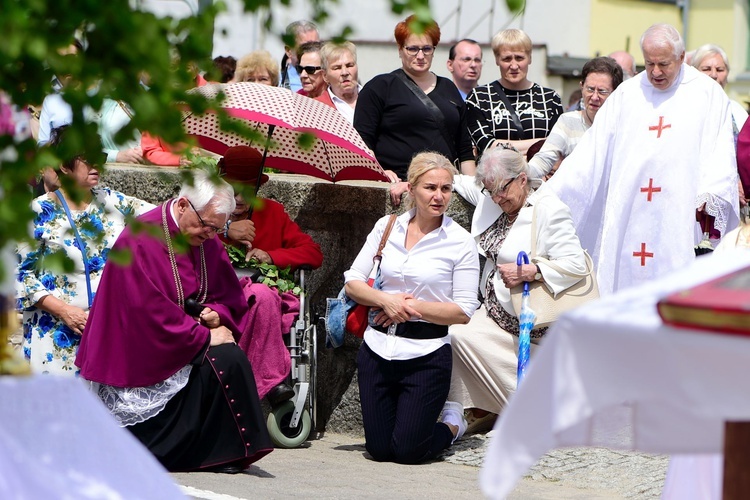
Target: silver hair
{"x": 664, "y": 35}
{"x": 707, "y": 50}
{"x": 207, "y": 190}
{"x": 296, "y": 28}
{"x": 499, "y": 164}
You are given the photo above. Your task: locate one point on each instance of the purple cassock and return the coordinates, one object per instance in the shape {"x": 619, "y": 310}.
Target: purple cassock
{"x": 138, "y": 336}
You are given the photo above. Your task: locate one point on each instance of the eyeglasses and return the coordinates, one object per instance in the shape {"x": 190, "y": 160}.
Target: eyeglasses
{"x": 601, "y": 92}
{"x": 217, "y": 230}
{"x": 413, "y": 50}
{"x": 310, "y": 70}
{"x": 502, "y": 190}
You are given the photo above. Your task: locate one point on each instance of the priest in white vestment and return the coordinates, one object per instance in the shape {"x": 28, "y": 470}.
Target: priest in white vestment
{"x": 661, "y": 149}
{"x": 659, "y": 156}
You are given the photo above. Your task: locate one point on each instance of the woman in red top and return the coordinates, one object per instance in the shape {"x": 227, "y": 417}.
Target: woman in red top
{"x": 271, "y": 237}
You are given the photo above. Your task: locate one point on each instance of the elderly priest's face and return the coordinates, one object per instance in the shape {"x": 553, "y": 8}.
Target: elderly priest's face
{"x": 199, "y": 225}
{"x": 662, "y": 65}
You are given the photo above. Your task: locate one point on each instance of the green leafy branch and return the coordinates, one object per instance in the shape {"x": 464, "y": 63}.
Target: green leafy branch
{"x": 281, "y": 279}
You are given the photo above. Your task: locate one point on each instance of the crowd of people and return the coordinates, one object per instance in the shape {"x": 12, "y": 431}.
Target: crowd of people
{"x": 184, "y": 362}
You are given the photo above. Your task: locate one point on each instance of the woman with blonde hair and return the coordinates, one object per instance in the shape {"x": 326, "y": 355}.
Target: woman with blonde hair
{"x": 429, "y": 277}
{"x": 512, "y": 109}
{"x": 258, "y": 67}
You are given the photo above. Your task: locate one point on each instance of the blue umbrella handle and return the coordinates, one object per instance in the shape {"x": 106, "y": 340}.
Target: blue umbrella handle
{"x": 523, "y": 258}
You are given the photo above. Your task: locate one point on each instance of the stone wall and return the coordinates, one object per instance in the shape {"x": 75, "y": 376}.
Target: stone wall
{"x": 339, "y": 217}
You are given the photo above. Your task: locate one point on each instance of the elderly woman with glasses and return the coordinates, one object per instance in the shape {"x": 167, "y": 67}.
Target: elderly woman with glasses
{"x": 599, "y": 78}
{"x": 512, "y": 109}
{"x": 484, "y": 350}
{"x": 411, "y": 110}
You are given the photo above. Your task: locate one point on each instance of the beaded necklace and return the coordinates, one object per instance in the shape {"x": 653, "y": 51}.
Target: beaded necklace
{"x": 203, "y": 288}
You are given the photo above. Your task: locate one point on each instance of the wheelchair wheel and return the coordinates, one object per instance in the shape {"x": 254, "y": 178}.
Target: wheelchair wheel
{"x": 284, "y": 436}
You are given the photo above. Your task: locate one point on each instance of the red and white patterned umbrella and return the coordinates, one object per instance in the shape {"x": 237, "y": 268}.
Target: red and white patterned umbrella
{"x": 338, "y": 152}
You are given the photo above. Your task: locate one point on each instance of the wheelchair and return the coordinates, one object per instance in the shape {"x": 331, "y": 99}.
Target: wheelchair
{"x": 290, "y": 423}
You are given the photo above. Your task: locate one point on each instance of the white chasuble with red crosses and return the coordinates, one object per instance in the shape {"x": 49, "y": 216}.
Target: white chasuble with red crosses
{"x": 636, "y": 178}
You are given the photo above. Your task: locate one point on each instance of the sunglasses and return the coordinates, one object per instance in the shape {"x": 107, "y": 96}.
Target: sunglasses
{"x": 215, "y": 229}
{"x": 310, "y": 70}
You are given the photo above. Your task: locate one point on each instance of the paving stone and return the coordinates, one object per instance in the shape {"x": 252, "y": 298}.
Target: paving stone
{"x": 629, "y": 474}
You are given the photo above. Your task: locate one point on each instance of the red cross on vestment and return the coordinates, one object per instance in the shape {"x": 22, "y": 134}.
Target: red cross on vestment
{"x": 659, "y": 127}
{"x": 650, "y": 189}
{"x": 643, "y": 254}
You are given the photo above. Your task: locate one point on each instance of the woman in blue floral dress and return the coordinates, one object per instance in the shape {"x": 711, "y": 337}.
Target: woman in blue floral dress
{"x": 55, "y": 305}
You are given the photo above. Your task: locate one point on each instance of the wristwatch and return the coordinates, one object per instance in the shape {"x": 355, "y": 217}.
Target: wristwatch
{"x": 538, "y": 275}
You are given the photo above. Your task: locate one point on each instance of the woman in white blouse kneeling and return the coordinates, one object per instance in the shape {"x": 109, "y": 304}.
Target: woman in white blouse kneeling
{"x": 429, "y": 278}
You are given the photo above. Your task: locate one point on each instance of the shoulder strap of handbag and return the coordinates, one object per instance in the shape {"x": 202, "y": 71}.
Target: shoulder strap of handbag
{"x": 510, "y": 108}
{"x": 126, "y": 109}
{"x": 386, "y": 233}
{"x": 431, "y": 107}
{"x": 81, "y": 244}
{"x": 535, "y": 258}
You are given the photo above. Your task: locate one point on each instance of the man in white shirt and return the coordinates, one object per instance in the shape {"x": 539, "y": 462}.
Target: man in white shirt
{"x": 302, "y": 31}
{"x": 341, "y": 73}
{"x": 465, "y": 64}
{"x": 659, "y": 156}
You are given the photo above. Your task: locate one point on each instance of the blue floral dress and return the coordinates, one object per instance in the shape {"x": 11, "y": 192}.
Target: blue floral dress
{"x": 49, "y": 344}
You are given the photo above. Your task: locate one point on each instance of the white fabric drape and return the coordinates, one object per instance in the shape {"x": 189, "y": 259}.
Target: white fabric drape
{"x": 58, "y": 441}
{"x": 611, "y": 374}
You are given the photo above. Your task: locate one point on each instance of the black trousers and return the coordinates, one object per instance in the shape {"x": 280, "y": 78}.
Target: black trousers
{"x": 401, "y": 401}
{"x": 216, "y": 419}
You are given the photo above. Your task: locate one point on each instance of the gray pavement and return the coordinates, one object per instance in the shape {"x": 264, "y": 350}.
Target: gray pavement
{"x": 337, "y": 466}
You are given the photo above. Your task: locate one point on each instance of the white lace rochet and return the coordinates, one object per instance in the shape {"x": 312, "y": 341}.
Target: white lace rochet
{"x": 717, "y": 208}
{"x": 133, "y": 405}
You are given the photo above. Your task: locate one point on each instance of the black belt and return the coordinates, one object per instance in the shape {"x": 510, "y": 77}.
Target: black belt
{"x": 417, "y": 330}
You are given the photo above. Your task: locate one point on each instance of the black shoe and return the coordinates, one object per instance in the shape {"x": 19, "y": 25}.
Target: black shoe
{"x": 225, "y": 469}
{"x": 279, "y": 394}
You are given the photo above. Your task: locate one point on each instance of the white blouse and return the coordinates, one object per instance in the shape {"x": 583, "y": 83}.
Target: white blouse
{"x": 442, "y": 267}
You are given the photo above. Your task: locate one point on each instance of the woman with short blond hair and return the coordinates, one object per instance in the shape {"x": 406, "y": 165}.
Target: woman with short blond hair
{"x": 512, "y": 109}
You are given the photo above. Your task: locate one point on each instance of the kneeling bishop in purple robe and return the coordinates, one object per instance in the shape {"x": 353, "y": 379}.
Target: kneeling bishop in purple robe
{"x": 160, "y": 343}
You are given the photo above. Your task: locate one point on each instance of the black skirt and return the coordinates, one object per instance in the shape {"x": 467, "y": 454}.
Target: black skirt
{"x": 216, "y": 419}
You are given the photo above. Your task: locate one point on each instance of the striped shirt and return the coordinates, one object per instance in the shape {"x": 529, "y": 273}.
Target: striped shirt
{"x": 562, "y": 140}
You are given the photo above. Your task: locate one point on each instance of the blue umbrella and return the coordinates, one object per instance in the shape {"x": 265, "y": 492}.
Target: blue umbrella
{"x": 526, "y": 320}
